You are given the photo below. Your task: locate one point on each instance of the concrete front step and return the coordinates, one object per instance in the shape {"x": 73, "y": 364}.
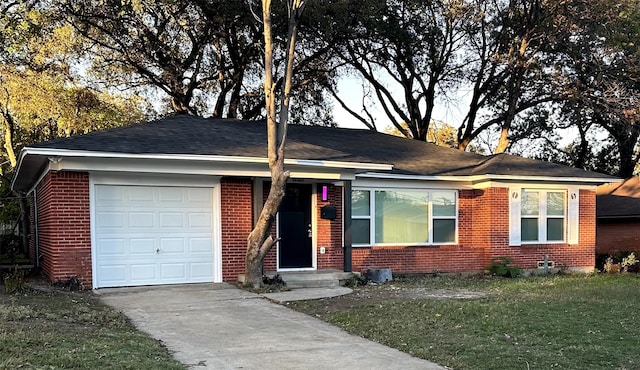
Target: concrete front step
{"x": 313, "y": 279}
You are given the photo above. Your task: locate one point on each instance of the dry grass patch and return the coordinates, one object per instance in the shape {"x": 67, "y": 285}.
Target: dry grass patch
{"x": 569, "y": 322}
{"x": 59, "y": 329}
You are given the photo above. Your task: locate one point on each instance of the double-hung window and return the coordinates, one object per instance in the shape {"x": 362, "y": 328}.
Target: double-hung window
{"x": 403, "y": 216}
{"x": 543, "y": 216}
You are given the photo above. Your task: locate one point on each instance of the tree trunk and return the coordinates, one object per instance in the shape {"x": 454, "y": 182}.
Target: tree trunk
{"x": 22, "y": 200}
{"x": 260, "y": 241}
{"x": 25, "y": 222}
{"x": 514, "y": 93}
{"x": 234, "y": 102}
{"x": 626, "y": 150}
{"x": 8, "y": 138}
{"x": 583, "y": 150}
{"x": 503, "y": 142}
{"x": 179, "y": 105}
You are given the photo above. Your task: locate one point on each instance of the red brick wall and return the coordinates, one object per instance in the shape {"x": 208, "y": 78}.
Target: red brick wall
{"x": 64, "y": 230}
{"x": 329, "y": 232}
{"x": 618, "y": 235}
{"x": 490, "y": 222}
{"x": 449, "y": 258}
{"x": 585, "y": 255}
{"x": 467, "y": 255}
{"x": 588, "y": 218}
{"x": 65, "y": 241}
{"x": 466, "y": 213}
{"x": 483, "y": 233}
{"x": 526, "y": 256}
{"x": 31, "y": 237}
{"x": 236, "y": 221}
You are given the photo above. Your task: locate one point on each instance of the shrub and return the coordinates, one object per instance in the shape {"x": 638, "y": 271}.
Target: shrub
{"x": 502, "y": 266}
{"x": 276, "y": 281}
{"x": 72, "y": 284}
{"x": 14, "y": 281}
{"x": 354, "y": 281}
{"x": 627, "y": 263}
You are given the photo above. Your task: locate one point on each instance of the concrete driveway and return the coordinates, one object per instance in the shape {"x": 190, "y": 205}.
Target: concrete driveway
{"x": 217, "y": 326}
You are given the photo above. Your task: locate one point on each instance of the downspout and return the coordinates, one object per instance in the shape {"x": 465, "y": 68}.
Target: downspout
{"x": 36, "y": 248}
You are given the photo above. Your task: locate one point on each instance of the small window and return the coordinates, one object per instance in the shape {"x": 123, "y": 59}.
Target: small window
{"x": 542, "y": 217}
{"x": 361, "y": 217}
{"x": 444, "y": 217}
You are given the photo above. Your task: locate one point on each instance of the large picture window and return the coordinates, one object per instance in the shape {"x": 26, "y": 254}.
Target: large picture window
{"x": 543, "y": 216}
{"x": 401, "y": 217}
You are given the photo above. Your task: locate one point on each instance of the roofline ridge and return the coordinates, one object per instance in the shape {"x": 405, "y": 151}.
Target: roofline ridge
{"x": 485, "y": 160}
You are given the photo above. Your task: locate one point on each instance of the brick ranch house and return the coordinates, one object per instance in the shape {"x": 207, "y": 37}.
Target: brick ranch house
{"x": 618, "y": 217}
{"x": 172, "y": 201}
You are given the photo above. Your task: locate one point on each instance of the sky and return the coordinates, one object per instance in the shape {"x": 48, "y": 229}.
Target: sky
{"x": 450, "y": 112}
{"x": 351, "y": 87}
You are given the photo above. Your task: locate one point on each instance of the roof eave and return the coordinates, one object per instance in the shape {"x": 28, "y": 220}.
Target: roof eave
{"x": 492, "y": 177}
{"x": 47, "y": 152}
{"x": 42, "y": 155}
{"x": 618, "y": 216}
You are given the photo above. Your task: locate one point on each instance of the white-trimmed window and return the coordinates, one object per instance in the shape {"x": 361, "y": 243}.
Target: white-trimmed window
{"x": 403, "y": 216}
{"x": 543, "y": 216}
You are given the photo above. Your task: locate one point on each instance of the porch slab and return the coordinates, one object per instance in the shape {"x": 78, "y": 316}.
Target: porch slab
{"x": 313, "y": 279}
{"x": 303, "y": 294}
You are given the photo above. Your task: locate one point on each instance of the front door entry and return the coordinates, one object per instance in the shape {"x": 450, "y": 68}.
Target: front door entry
{"x": 295, "y": 246}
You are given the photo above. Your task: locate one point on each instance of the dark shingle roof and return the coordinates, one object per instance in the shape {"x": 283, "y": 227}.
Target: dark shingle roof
{"x": 619, "y": 200}
{"x": 191, "y": 135}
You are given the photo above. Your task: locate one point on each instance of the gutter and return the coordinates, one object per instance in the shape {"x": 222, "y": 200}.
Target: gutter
{"x": 617, "y": 217}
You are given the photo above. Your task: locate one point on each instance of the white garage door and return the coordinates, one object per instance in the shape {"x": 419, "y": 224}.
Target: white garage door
{"x": 148, "y": 235}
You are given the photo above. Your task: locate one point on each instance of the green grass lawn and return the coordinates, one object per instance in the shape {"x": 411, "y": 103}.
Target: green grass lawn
{"x": 60, "y": 329}
{"x": 565, "y": 322}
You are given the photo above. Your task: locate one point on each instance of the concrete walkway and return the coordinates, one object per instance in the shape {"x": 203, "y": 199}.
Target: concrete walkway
{"x": 217, "y": 326}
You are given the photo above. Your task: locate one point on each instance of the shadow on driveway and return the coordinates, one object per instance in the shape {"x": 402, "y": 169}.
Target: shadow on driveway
{"x": 217, "y": 326}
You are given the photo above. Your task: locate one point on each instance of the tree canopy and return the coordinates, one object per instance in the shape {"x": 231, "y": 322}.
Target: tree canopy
{"x": 40, "y": 95}
{"x": 519, "y": 70}
{"x": 516, "y": 71}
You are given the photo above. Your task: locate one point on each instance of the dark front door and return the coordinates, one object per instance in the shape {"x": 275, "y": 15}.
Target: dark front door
{"x": 295, "y": 247}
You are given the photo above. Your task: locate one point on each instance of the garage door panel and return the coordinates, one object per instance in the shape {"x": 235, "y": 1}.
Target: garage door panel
{"x": 201, "y": 270}
{"x": 138, "y": 220}
{"x": 112, "y": 247}
{"x": 139, "y": 194}
{"x": 142, "y": 247}
{"x": 198, "y": 196}
{"x": 109, "y": 195}
{"x": 113, "y": 275}
{"x": 171, "y": 196}
{"x": 147, "y": 235}
{"x": 143, "y": 272}
{"x": 173, "y": 271}
{"x": 172, "y": 245}
{"x": 200, "y": 245}
{"x": 111, "y": 219}
{"x": 172, "y": 220}
{"x": 200, "y": 220}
